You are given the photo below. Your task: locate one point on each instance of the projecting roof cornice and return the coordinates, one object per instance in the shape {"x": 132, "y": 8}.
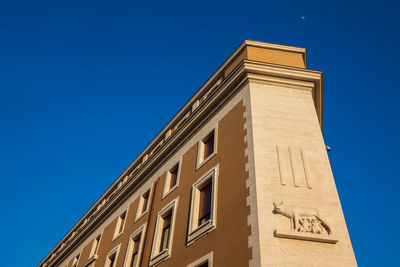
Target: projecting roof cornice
{"x": 218, "y": 90}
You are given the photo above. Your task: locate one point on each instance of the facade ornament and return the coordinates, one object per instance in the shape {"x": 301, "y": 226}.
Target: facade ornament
{"x": 306, "y": 223}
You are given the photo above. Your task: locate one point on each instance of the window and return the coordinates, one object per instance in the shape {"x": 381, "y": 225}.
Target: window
{"x": 93, "y": 253}
{"x": 135, "y": 248}
{"x": 111, "y": 259}
{"x": 205, "y": 203}
{"x": 120, "y": 225}
{"x": 162, "y": 243}
{"x": 95, "y": 247}
{"x": 203, "y": 206}
{"x": 171, "y": 179}
{"x": 165, "y": 232}
{"x": 205, "y": 261}
{"x": 143, "y": 204}
{"x": 75, "y": 261}
{"x": 173, "y": 176}
{"x": 206, "y": 148}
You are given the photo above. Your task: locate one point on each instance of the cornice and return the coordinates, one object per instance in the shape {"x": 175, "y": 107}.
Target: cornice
{"x": 208, "y": 100}
{"x": 275, "y": 46}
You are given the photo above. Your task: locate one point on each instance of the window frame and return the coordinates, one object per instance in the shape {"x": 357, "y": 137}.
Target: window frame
{"x": 156, "y": 255}
{"x": 195, "y": 230}
{"x": 206, "y": 258}
{"x": 167, "y": 180}
{"x": 93, "y": 256}
{"x": 200, "y": 148}
{"x": 118, "y": 225}
{"x": 115, "y": 250}
{"x": 139, "y": 232}
{"x": 76, "y": 260}
{"x": 139, "y": 212}
{"x": 95, "y": 246}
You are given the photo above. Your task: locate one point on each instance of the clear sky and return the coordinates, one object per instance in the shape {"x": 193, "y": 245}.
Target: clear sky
{"x": 86, "y": 85}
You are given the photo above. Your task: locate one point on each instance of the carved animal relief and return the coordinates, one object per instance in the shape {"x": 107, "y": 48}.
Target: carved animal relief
{"x": 306, "y": 224}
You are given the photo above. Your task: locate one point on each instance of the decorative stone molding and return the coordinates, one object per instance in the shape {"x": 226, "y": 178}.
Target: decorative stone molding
{"x": 293, "y": 167}
{"x": 306, "y": 224}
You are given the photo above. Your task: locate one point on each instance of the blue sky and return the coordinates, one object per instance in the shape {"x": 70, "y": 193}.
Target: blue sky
{"x": 86, "y": 85}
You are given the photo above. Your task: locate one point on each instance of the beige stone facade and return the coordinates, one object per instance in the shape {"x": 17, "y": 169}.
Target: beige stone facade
{"x": 239, "y": 177}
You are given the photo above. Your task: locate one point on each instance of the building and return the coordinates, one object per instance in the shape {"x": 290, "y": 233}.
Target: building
{"x": 239, "y": 177}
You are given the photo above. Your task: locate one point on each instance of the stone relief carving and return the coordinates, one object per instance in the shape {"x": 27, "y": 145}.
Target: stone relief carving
{"x": 303, "y": 219}
{"x": 306, "y": 223}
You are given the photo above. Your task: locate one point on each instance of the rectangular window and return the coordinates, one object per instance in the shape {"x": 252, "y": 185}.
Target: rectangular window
{"x": 163, "y": 236}
{"x": 143, "y": 205}
{"x": 205, "y": 261}
{"x": 205, "y": 203}
{"x": 75, "y": 261}
{"x": 145, "y": 201}
{"x": 165, "y": 232}
{"x": 173, "y": 173}
{"x": 171, "y": 179}
{"x": 111, "y": 259}
{"x": 208, "y": 145}
{"x": 207, "y": 148}
{"x": 93, "y": 253}
{"x": 203, "y": 206}
{"x": 120, "y": 225}
{"x": 95, "y": 247}
{"x": 134, "y": 250}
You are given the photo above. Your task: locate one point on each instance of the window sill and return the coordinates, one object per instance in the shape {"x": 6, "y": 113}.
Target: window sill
{"x": 141, "y": 215}
{"x": 115, "y": 237}
{"x": 90, "y": 260}
{"x": 200, "y": 164}
{"x": 160, "y": 257}
{"x": 203, "y": 229}
{"x": 169, "y": 191}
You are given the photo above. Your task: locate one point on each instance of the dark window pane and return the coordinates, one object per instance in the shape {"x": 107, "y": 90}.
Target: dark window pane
{"x": 136, "y": 245}
{"x": 145, "y": 201}
{"x": 122, "y": 220}
{"x": 173, "y": 176}
{"x": 111, "y": 260}
{"x": 165, "y": 233}
{"x": 135, "y": 252}
{"x": 205, "y": 203}
{"x": 208, "y": 145}
{"x": 134, "y": 260}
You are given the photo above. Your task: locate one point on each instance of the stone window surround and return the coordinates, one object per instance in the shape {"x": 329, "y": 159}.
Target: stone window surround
{"x": 200, "y": 148}
{"x": 117, "y": 226}
{"x": 160, "y": 256}
{"x": 93, "y": 251}
{"x": 206, "y": 258}
{"x": 76, "y": 260}
{"x": 196, "y": 231}
{"x": 139, "y": 232}
{"x": 139, "y": 213}
{"x": 115, "y": 251}
{"x": 167, "y": 180}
